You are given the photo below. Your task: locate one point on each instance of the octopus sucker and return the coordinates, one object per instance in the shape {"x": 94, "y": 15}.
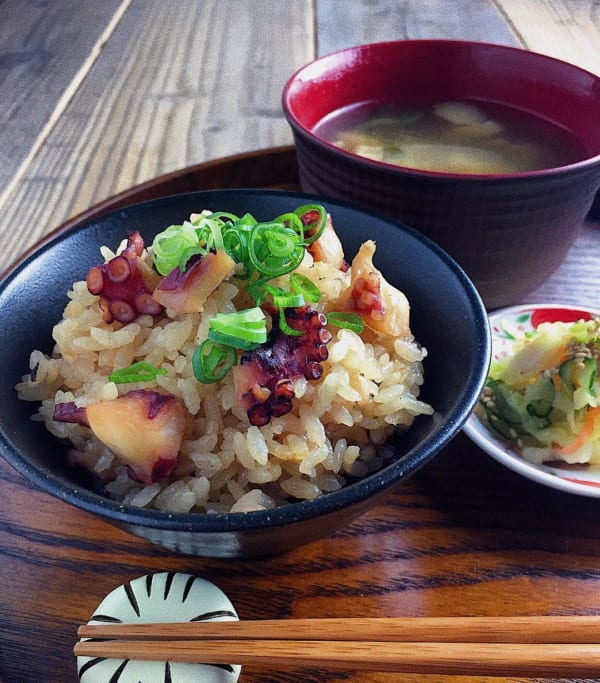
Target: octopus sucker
{"x": 146, "y": 304}
{"x": 118, "y": 269}
{"x": 124, "y": 284}
{"x": 264, "y": 377}
{"x": 122, "y": 311}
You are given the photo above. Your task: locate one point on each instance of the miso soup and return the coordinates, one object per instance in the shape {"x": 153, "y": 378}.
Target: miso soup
{"x": 452, "y": 137}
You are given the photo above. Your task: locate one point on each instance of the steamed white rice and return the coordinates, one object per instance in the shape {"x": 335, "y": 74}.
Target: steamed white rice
{"x": 336, "y": 430}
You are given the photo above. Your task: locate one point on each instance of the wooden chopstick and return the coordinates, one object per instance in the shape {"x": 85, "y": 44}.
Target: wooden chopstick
{"x": 481, "y": 659}
{"x": 525, "y": 629}
{"x": 567, "y": 646}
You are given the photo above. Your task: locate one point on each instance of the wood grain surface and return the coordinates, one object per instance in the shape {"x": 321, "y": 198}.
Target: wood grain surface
{"x": 43, "y": 57}
{"x": 341, "y": 24}
{"x": 568, "y": 29}
{"x": 168, "y": 89}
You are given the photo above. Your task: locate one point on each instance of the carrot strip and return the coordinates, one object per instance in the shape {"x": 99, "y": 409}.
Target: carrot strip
{"x": 588, "y": 427}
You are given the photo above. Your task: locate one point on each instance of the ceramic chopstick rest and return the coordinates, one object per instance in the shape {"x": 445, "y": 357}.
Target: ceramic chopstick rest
{"x": 156, "y": 598}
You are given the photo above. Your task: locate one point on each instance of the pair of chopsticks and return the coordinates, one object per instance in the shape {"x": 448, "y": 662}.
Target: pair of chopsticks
{"x": 564, "y": 646}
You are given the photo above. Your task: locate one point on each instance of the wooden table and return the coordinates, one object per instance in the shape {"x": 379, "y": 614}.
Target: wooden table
{"x": 98, "y": 97}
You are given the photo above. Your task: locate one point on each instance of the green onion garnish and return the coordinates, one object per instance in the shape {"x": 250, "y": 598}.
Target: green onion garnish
{"x": 348, "y": 321}
{"x": 138, "y": 372}
{"x": 170, "y": 246}
{"x": 211, "y": 361}
{"x": 240, "y": 330}
{"x": 235, "y": 243}
{"x": 284, "y": 326}
{"x": 223, "y": 216}
{"x": 209, "y": 232}
{"x": 293, "y": 221}
{"x": 274, "y": 250}
{"x": 283, "y": 299}
{"x": 264, "y": 250}
{"x": 314, "y": 218}
{"x": 288, "y": 300}
{"x": 305, "y": 287}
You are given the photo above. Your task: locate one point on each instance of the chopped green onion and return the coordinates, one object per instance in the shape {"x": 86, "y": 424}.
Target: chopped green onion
{"x": 258, "y": 290}
{"x": 241, "y": 329}
{"x": 224, "y": 216}
{"x": 170, "y": 244}
{"x": 209, "y": 233}
{"x": 186, "y": 255}
{"x": 272, "y": 289}
{"x": 314, "y": 219}
{"x": 293, "y": 221}
{"x": 267, "y": 249}
{"x": 232, "y": 340}
{"x": 247, "y": 220}
{"x": 211, "y": 361}
{"x": 307, "y": 288}
{"x": 284, "y": 326}
{"x": 235, "y": 243}
{"x": 274, "y": 249}
{"x": 281, "y": 297}
{"x": 348, "y": 321}
{"x": 281, "y": 242}
{"x": 138, "y": 372}
{"x": 288, "y": 300}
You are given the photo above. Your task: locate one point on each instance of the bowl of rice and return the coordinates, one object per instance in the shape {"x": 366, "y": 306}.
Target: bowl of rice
{"x": 234, "y": 373}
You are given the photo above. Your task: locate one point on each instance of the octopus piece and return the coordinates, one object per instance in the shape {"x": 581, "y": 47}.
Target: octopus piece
{"x": 125, "y": 284}
{"x": 187, "y": 291}
{"x": 382, "y": 307}
{"x": 328, "y": 248}
{"x": 143, "y": 429}
{"x": 264, "y": 378}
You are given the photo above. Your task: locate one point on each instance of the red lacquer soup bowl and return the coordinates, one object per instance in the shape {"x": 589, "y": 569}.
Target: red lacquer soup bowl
{"x": 509, "y": 231}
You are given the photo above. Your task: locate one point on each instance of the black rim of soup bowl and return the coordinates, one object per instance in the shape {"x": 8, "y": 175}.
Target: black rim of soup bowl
{"x": 65, "y": 256}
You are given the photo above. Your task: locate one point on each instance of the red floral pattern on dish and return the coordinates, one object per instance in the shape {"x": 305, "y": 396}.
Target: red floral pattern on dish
{"x": 583, "y": 482}
{"x": 553, "y": 315}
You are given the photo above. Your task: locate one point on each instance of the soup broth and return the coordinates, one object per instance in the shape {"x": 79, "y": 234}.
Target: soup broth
{"x": 452, "y": 137}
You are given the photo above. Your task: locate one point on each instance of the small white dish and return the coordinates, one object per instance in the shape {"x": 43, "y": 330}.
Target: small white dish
{"x": 506, "y": 325}
{"x": 162, "y": 597}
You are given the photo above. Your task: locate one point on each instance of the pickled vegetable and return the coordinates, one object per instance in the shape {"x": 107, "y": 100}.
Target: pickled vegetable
{"x": 545, "y": 396}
